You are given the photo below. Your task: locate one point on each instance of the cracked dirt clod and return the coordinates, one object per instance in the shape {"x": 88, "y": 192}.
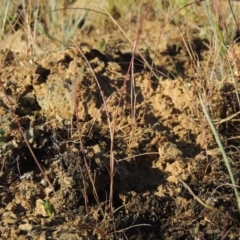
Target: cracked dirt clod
{"x": 48, "y": 104}
{"x": 165, "y": 141}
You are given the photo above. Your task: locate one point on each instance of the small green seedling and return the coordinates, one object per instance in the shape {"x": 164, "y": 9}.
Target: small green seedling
{"x": 195, "y": 233}
{"x": 48, "y": 208}
{"x": 2, "y": 137}
{"x": 101, "y": 44}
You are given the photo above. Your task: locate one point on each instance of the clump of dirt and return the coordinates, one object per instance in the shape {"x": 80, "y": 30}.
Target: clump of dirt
{"x": 166, "y": 161}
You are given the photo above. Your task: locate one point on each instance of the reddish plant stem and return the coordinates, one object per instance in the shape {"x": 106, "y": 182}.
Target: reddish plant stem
{"x": 12, "y": 110}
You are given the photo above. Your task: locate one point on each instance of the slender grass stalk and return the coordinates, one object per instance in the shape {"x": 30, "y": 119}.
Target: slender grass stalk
{"x": 111, "y": 171}
{"x": 3, "y": 21}
{"x": 130, "y": 72}
{"x": 225, "y": 158}
{"x": 14, "y": 114}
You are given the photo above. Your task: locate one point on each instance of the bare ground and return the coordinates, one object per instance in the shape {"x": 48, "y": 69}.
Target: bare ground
{"x": 170, "y": 180}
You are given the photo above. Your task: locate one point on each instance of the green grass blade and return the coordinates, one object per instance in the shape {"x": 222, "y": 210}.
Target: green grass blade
{"x": 222, "y": 150}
